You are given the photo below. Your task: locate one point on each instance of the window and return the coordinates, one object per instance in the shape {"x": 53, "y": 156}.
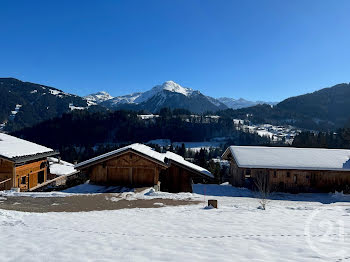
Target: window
{"x": 274, "y": 174}
{"x": 247, "y": 173}
{"x": 288, "y": 174}
{"x": 23, "y": 180}
{"x": 41, "y": 177}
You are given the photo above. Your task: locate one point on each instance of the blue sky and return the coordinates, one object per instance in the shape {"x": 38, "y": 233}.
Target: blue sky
{"x": 259, "y": 50}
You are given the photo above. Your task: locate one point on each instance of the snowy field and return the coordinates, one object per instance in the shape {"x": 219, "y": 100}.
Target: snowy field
{"x": 301, "y": 227}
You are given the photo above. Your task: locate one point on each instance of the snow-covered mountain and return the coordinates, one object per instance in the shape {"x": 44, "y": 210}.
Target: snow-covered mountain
{"x": 98, "y": 98}
{"x": 241, "y": 102}
{"x": 169, "y": 94}
{"x": 137, "y": 98}
{"x": 172, "y": 95}
{"x": 127, "y": 99}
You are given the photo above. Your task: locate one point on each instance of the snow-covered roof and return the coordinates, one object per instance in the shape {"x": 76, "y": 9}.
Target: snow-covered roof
{"x": 14, "y": 148}
{"x": 146, "y": 150}
{"x": 60, "y": 168}
{"x": 290, "y": 158}
{"x": 179, "y": 159}
{"x": 150, "y": 152}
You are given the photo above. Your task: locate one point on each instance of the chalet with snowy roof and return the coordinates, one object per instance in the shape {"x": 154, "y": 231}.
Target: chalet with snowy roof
{"x": 290, "y": 169}
{"x": 139, "y": 165}
{"x": 23, "y": 164}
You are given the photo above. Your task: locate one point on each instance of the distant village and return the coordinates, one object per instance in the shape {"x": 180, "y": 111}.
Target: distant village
{"x": 276, "y": 134}
{"x": 284, "y": 134}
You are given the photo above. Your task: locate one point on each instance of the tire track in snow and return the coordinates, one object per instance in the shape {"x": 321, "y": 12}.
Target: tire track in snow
{"x": 247, "y": 236}
{"x": 342, "y": 259}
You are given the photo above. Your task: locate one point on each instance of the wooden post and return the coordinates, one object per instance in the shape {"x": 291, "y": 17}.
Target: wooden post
{"x": 213, "y": 203}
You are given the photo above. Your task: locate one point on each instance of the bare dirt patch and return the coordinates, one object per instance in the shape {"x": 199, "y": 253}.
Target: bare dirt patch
{"x": 83, "y": 203}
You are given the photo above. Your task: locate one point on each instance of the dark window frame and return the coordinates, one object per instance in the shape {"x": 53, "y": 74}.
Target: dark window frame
{"x": 41, "y": 177}
{"x": 23, "y": 180}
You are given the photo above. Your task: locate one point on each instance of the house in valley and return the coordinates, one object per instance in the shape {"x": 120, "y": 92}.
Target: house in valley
{"x": 138, "y": 165}
{"x": 288, "y": 169}
{"x": 23, "y": 164}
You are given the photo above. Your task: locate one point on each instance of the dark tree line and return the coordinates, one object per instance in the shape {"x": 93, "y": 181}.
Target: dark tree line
{"x": 80, "y": 135}
{"x": 339, "y": 139}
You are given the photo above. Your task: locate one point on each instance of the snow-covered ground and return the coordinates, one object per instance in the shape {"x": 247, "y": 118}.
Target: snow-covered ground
{"x": 73, "y": 107}
{"x": 275, "y": 133}
{"x": 145, "y": 117}
{"x": 2, "y": 126}
{"x": 11, "y": 116}
{"x": 306, "y": 227}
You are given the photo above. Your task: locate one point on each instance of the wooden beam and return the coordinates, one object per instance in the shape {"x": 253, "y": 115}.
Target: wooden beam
{"x": 4, "y": 181}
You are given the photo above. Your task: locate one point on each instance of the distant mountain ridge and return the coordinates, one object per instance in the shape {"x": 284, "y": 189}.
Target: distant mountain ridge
{"x": 169, "y": 94}
{"x": 329, "y": 106}
{"x": 98, "y": 97}
{"x": 242, "y": 103}
{"x": 326, "y": 109}
{"x": 23, "y": 104}
{"x": 172, "y": 95}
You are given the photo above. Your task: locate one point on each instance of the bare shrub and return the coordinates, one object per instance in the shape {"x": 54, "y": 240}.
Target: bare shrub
{"x": 263, "y": 189}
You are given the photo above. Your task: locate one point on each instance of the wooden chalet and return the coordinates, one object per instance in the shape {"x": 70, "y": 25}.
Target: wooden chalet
{"x": 23, "y": 164}
{"x": 138, "y": 165}
{"x": 288, "y": 169}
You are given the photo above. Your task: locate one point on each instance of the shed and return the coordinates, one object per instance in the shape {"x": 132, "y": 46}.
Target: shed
{"x": 290, "y": 169}
{"x": 138, "y": 165}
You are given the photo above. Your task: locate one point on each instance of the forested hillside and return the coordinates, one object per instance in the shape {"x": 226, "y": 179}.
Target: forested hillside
{"x": 89, "y": 130}
{"x": 326, "y": 109}
{"x": 339, "y": 139}
{"x": 35, "y": 103}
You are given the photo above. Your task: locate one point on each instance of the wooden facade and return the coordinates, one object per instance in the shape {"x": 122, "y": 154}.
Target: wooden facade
{"x": 7, "y": 172}
{"x": 24, "y": 176}
{"x": 291, "y": 180}
{"x": 176, "y": 179}
{"x": 134, "y": 169}
{"x": 129, "y": 169}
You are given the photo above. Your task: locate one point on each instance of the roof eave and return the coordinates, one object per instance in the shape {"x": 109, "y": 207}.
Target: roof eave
{"x": 23, "y": 159}
{"x": 225, "y": 154}
{"x": 191, "y": 169}
{"x": 293, "y": 168}
{"x": 83, "y": 166}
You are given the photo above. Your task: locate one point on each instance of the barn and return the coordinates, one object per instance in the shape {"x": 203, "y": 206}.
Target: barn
{"x": 138, "y": 165}
{"x": 23, "y": 164}
{"x": 288, "y": 169}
